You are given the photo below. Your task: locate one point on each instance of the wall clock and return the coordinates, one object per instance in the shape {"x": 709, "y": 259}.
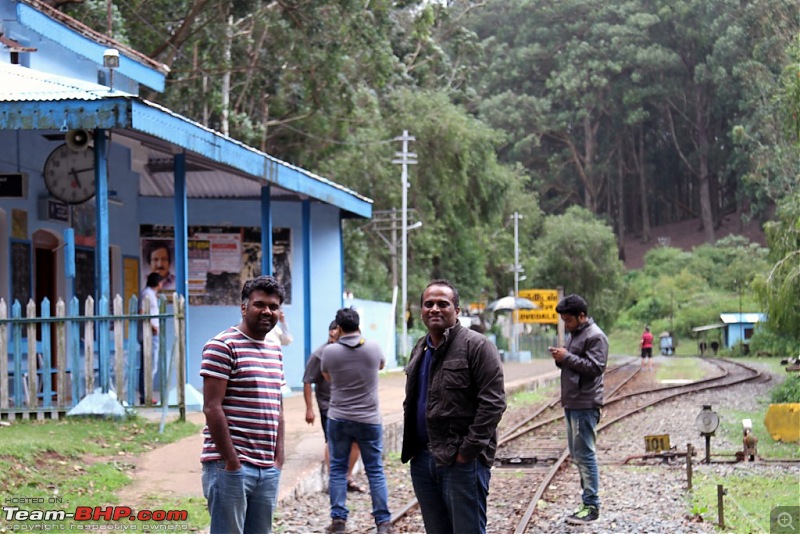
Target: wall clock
{"x": 69, "y": 174}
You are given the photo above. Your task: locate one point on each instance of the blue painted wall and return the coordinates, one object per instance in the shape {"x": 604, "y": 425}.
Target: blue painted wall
{"x": 378, "y": 324}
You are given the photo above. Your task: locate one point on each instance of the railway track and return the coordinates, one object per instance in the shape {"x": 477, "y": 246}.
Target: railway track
{"x": 532, "y": 451}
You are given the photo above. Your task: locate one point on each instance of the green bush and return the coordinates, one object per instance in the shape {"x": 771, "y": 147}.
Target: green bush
{"x": 767, "y": 343}
{"x": 787, "y": 392}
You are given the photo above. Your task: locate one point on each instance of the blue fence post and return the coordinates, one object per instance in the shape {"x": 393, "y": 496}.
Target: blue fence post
{"x": 47, "y": 354}
{"x": 103, "y": 341}
{"x": 162, "y": 350}
{"x": 16, "y": 336}
{"x": 133, "y": 352}
{"x": 74, "y": 336}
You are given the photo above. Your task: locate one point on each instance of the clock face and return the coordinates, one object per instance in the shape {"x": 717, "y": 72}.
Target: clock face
{"x": 69, "y": 174}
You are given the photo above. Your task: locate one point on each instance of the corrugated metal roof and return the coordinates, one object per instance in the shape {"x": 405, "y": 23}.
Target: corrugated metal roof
{"x": 23, "y": 84}
{"x": 737, "y": 318}
{"x": 708, "y": 327}
{"x": 217, "y": 166}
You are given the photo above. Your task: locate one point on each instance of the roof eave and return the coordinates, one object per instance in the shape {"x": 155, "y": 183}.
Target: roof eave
{"x": 127, "y": 112}
{"x": 55, "y": 30}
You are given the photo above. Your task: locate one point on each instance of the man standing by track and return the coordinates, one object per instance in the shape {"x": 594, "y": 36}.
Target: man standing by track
{"x": 582, "y": 362}
{"x": 352, "y": 364}
{"x": 455, "y": 397}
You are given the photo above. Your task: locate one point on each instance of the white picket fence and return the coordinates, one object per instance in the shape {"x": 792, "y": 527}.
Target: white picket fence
{"x": 76, "y": 354}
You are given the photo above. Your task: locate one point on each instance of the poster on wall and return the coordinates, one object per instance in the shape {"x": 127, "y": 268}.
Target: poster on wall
{"x": 220, "y": 260}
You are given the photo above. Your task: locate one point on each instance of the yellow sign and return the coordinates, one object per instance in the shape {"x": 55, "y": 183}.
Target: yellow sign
{"x": 547, "y": 299}
{"x": 656, "y": 443}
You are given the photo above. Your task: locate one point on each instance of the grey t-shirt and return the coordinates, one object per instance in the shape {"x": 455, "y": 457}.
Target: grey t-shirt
{"x": 353, "y": 364}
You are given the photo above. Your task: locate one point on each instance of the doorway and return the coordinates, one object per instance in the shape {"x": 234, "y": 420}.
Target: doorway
{"x": 45, "y": 271}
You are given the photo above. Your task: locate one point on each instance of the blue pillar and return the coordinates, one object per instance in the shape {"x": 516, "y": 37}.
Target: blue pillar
{"x": 102, "y": 262}
{"x": 181, "y": 241}
{"x": 306, "y": 274}
{"x": 101, "y": 257}
{"x": 266, "y": 231}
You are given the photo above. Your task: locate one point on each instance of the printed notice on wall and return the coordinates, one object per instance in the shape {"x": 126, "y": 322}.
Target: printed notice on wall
{"x": 220, "y": 259}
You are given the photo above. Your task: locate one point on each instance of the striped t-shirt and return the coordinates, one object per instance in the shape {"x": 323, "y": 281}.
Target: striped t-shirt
{"x": 252, "y": 403}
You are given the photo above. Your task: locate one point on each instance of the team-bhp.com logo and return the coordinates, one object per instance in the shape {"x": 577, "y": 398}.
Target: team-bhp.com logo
{"x": 18, "y": 519}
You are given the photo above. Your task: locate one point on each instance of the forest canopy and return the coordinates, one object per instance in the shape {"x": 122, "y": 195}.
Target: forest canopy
{"x": 641, "y": 113}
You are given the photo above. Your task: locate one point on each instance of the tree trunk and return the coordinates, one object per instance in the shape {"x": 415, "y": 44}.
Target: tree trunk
{"x": 706, "y": 215}
{"x": 226, "y": 77}
{"x": 620, "y": 199}
{"x": 589, "y": 146}
{"x": 643, "y": 187}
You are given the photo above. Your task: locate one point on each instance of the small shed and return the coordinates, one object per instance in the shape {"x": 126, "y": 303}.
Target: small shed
{"x": 739, "y": 327}
{"x": 735, "y": 327}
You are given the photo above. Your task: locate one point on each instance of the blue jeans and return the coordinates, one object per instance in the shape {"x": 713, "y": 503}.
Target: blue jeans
{"x": 452, "y": 498}
{"x": 341, "y": 435}
{"x": 581, "y": 438}
{"x": 240, "y": 501}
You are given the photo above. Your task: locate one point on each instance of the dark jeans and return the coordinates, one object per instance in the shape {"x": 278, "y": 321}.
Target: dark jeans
{"x": 452, "y": 498}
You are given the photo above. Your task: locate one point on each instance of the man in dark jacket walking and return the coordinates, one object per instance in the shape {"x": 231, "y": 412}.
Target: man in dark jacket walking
{"x": 582, "y": 362}
{"x": 455, "y": 397}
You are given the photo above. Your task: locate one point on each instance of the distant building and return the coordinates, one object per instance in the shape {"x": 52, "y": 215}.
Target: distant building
{"x": 733, "y": 327}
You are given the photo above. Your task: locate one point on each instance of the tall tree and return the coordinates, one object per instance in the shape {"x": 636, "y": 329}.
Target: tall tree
{"x": 577, "y": 251}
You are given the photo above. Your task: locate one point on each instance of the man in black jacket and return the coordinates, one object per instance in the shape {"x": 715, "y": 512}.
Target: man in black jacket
{"x": 582, "y": 362}
{"x": 455, "y": 397}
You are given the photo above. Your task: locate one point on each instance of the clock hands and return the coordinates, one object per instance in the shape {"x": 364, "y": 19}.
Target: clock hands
{"x": 76, "y": 172}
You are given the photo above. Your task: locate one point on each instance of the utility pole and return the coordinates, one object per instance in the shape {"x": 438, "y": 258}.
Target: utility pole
{"x": 515, "y": 336}
{"x": 386, "y": 224}
{"x": 406, "y": 158}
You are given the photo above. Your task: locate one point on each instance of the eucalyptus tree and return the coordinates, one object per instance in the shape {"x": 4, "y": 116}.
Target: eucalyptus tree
{"x": 557, "y": 76}
{"x": 708, "y": 88}
{"x": 778, "y": 288}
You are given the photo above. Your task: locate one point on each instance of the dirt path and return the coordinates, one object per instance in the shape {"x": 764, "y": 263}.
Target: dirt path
{"x": 171, "y": 471}
{"x": 174, "y": 470}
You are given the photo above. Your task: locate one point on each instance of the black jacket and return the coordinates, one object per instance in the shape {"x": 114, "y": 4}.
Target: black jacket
{"x": 582, "y": 369}
{"x": 466, "y": 398}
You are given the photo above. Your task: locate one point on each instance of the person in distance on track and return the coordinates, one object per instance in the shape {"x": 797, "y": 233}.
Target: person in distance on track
{"x": 646, "y": 344}
{"x": 582, "y": 362}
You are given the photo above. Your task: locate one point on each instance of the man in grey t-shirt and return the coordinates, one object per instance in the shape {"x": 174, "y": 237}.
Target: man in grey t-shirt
{"x": 352, "y": 364}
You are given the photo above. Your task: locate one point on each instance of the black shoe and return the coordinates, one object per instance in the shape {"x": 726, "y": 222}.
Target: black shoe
{"x": 584, "y": 515}
{"x": 337, "y": 526}
{"x": 385, "y": 528}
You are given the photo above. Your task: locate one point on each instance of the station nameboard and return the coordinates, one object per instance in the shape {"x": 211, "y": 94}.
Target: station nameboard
{"x": 547, "y": 299}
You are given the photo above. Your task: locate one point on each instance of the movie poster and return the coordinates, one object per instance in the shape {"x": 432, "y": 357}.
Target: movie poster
{"x": 220, "y": 260}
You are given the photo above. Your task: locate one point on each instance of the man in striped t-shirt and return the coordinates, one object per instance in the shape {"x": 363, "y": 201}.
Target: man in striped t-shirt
{"x": 243, "y": 447}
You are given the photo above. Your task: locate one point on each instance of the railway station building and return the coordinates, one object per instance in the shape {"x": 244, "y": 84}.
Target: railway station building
{"x": 96, "y": 177}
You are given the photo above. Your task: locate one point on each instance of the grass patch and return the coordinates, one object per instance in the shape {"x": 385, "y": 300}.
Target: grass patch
{"x": 748, "y": 501}
{"x": 625, "y": 342}
{"x": 57, "y": 466}
{"x": 677, "y": 368}
{"x": 528, "y": 398}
